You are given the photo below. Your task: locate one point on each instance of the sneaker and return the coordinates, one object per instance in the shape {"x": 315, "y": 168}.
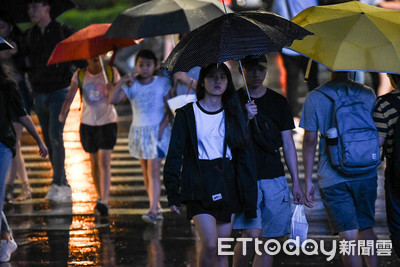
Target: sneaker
{"x": 159, "y": 215}
{"x": 67, "y": 192}
{"x": 102, "y": 208}
{"x": 59, "y": 193}
{"x": 7, "y": 248}
{"x": 150, "y": 218}
{"x": 53, "y": 193}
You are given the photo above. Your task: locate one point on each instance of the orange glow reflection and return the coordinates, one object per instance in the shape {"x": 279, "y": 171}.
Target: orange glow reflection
{"x": 84, "y": 243}
{"x": 77, "y": 163}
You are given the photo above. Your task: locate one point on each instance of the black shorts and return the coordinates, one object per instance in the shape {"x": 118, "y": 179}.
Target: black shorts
{"x": 222, "y": 214}
{"x": 94, "y": 138}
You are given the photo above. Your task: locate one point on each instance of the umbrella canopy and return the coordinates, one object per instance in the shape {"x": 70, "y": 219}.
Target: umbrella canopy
{"x": 351, "y": 36}
{"x": 161, "y": 17}
{"x": 233, "y": 36}
{"x": 4, "y": 45}
{"x": 17, "y": 10}
{"x": 87, "y": 43}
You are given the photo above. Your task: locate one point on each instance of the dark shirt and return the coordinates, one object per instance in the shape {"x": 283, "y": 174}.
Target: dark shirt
{"x": 276, "y": 108}
{"x": 47, "y": 79}
{"x": 385, "y": 117}
{"x": 10, "y": 109}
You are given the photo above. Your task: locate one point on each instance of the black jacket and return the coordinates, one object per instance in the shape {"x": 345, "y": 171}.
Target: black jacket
{"x": 47, "y": 79}
{"x": 182, "y": 171}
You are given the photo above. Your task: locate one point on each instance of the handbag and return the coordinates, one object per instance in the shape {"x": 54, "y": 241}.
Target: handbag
{"x": 179, "y": 101}
{"x": 299, "y": 226}
{"x": 266, "y": 134}
{"x": 215, "y": 174}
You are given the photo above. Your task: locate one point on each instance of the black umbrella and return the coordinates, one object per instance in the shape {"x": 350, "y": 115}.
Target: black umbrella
{"x": 17, "y": 10}
{"x": 161, "y": 17}
{"x": 233, "y": 36}
{"x": 4, "y": 45}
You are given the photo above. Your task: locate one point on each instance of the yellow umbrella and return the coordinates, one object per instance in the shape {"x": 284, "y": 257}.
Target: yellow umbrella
{"x": 351, "y": 36}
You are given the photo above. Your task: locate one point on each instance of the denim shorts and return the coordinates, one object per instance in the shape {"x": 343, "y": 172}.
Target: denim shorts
{"x": 273, "y": 209}
{"x": 94, "y": 138}
{"x": 350, "y": 205}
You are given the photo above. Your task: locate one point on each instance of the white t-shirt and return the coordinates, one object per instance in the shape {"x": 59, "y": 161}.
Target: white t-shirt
{"x": 210, "y": 129}
{"x": 147, "y": 101}
{"x": 96, "y": 111}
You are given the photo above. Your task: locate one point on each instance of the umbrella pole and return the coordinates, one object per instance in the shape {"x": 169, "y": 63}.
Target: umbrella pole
{"x": 244, "y": 79}
{"x": 223, "y": 2}
{"x": 103, "y": 70}
{"x": 247, "y": 91}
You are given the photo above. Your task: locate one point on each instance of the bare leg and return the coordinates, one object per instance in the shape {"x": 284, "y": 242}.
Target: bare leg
{"x": 351, "y": 260}
{"x": 95, "y": 172}
{"x": 264, "y": 259}
{"x": 243, "y": 260}
{"x": 206, "y": 227}
{"x": 143, "y": 164}
{"x": 154, "y": 187}
{"x": 224, "y": 230}
{"x": 104, "y": 163}
{"x": 17, "y": 167}
{"x": 369, "y": 234}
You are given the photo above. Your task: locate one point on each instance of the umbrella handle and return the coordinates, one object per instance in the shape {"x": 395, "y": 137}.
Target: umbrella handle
{"x": 244, "y": 79}
{"x": 247, "y": 91}
{"x": 308, "y": 70}
{"x": 103, "y": 70}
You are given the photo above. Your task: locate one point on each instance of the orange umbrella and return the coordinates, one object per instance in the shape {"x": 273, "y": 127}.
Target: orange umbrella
{"x": 87, "y": 43}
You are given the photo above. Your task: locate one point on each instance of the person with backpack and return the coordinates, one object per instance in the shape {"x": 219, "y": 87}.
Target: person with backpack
{"x": 271, "y": 124}
{"x": 347, "y": 167}
{"x": 98, "y": 129}
{"x": 50, "y": 87}
{"x": 386, "y": 116}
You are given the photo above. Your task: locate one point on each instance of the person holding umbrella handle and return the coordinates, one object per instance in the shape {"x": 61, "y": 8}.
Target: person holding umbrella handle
{"x": 98, "y": 129}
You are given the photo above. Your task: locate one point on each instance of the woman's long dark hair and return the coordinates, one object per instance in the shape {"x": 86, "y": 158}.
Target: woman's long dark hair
{"x": 236, "y": 131}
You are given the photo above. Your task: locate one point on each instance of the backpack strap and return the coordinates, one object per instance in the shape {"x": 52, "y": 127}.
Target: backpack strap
{"x": 81, "y": 77}
{"x": 110, "y": 73}
{"x": 331, "y": 95}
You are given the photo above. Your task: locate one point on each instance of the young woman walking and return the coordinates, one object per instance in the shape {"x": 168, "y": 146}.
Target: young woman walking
{"x": 209, "y": 150}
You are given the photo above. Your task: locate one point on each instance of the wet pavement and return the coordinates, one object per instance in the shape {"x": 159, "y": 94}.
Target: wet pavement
{"x": 69, "y": 234}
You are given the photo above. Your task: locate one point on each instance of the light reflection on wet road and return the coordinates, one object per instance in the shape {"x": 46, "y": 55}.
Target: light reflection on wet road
{"x": 69, "y": 234}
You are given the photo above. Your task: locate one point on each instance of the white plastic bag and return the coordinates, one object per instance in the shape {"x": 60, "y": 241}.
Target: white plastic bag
{"x": 180, "y": 100}
{"x": 299, "y": 225}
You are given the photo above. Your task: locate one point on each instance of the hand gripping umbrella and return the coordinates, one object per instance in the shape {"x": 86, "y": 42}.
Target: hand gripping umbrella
{"x": 351, "y": 36}
{"x": 233, "y": 36}
{"x": 87, "y": 43}
{"x": 17, "y": 10}
{"x": 162, "y": 17}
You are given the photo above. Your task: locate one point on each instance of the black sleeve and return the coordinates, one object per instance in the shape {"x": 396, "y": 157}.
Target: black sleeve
{"x": 174, "y": 159}
{"x": 286, "y": 118}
